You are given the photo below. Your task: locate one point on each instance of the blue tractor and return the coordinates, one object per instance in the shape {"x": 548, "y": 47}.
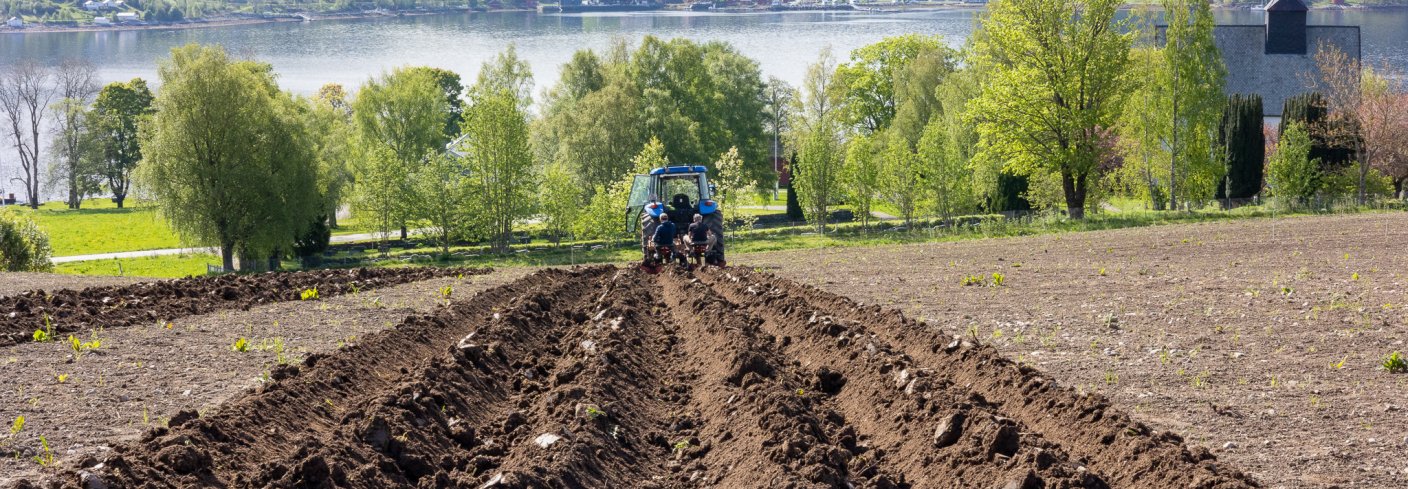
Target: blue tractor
{"x": 686, "y": 191}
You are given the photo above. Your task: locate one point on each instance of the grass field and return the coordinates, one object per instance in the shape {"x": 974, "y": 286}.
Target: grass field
{"x": 100, "y": 227}
{"x": 170, "y": 266}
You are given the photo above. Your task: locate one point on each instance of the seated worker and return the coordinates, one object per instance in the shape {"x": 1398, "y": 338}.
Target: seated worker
{"x": 699, "y": 239}
{"x": 665, "y": 232}
{"x": 649, "y": 220}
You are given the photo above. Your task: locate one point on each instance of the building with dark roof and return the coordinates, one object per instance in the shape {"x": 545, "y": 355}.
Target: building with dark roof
{"x": 1273, "y": 60}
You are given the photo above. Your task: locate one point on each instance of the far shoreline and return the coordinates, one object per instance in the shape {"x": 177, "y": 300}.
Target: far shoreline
{"x": 308, "y": 17}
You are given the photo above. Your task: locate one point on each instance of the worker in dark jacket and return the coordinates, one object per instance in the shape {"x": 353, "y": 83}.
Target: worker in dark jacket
{"x": 665, "y": 232}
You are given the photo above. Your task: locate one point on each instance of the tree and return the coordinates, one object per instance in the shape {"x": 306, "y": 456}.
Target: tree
{"x": 816, "y": 135}
{"x": 1055, "y": 75}
{"x": 404, "y": 114}
{"x": 778, "y": 104}
{"x": 1194, "y": 78}
{"x": 901, "y": 177}
{"x": 119, "y": 109}
{"x": 382, "y": 181}
{"x": 917, "y": 91}
{"x": 1311, "y": 111}
{"x": 453, "y": 90}
{"x": 734, "y": 185}
{"x": 334, "y": 137}
{"x": 1337, "y": 79}
{"x": 1383, "y": 119}
{"x": 943, "y": 165}
{"x": 869, "y": 79}
{"x": 602, "y": 219}
{"x": 499, "y": 162}
{"x": 442, "y": 196}
{"x": 506, "y": 73}
{"x": 73, "y": 136}
{"x": 23, "y": 246}
{"x": 560, "y": 200}
{"x": 1292, "y": 174}
{"x": 210, "y": 183}
{"x": 860, "y": 174}
{"x": 1243, "y": 145}
{"x": 26, "y": 93}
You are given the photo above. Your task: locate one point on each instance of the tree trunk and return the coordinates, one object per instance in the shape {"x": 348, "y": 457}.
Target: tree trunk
{"x": 227, "y": 256}
{"x": 403, "y": 232}
{"x": 1398, "y": 188}
{"x": 274, "y": 263}
{"x": 1074, "y": 188}
{"x": 119, "y": 199}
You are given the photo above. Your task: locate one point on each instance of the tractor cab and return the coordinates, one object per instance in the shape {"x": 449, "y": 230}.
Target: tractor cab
{"x": 681, "y": 189}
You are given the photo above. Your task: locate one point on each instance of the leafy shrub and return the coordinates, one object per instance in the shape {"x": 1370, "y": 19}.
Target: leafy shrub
{"x": 23, "y": 247}
{"x": 1394, "y": 363}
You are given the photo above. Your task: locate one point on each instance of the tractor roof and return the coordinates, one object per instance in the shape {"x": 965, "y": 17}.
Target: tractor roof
{"x": 678, "y": 169}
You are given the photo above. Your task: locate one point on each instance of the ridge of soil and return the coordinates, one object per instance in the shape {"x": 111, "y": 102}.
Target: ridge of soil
{"x": 602, "y": 377}
{"x": 70, "y": 311}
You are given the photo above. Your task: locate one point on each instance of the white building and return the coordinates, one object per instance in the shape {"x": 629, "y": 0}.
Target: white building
{"x": 15, "y": 22}
{"x": 126, "y": 17}
{"x": 96, "y": 6}
{"x": 102, "y": 21}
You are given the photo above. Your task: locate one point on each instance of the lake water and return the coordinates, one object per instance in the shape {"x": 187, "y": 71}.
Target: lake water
{"x": 307, "y": 55}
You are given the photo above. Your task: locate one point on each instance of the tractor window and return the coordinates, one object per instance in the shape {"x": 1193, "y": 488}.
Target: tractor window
{"x": 640, "y": 191}
{"x": 681, "y": 192}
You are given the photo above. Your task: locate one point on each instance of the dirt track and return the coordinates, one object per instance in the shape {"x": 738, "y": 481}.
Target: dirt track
{"x": 602, "y": 377}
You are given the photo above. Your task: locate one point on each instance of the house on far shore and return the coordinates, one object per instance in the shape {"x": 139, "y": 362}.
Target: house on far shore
{"x": 15, "y": 22}
{"x": 98, "y": 6}
{"x": 1273, "y": 60}
{"x": 103, "y": 21}
{"x": 127, "y": 18}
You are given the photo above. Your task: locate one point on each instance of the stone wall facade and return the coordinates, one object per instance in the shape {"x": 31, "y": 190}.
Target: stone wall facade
{"x": 1276, "y": 77}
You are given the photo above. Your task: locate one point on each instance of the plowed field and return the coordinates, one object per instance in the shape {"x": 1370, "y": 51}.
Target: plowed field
{"x": 607, "y": 377}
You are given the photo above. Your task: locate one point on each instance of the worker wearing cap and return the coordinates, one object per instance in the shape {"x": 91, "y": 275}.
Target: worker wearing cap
{"x": 649, "y": 220}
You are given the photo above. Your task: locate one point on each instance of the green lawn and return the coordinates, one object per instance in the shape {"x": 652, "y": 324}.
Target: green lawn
{"x": 100, "y": 227}
{"x": 169, "y": 266}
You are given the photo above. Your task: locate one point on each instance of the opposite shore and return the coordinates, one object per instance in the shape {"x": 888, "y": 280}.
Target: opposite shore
{"x": 249, "y": 19}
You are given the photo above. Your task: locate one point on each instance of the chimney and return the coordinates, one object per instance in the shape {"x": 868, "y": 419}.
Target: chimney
{"x": 1285, "y": 27}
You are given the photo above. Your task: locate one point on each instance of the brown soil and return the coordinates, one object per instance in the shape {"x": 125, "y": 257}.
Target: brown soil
{"x": 67, "y": 311}
{"x": 143, "y": 375}
{"x": 12, "y": 283}
{"x": 1252, "y": 339}
{"x": 600, "y": 377}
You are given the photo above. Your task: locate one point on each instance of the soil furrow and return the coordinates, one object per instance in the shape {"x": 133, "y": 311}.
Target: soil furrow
{"x": 289, "y": 431}
{"x": 927, "y": 427}
{"x": 763, "y": 426}
{"x": 1123, "y": 452}
{"x": 61, "y": 312}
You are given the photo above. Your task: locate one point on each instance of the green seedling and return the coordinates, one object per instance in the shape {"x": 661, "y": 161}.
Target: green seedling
{"x": 46, "y": 334}
{"x": 594, "y": 412}
{"x": 241, "y": 345}
{"x": 1102, "y": 271}
{"x": 1355, "y": 276}
{"x": 309, "y": 294}
{"x": 1340, "y": 364}
{"x": 446, "y": 291}
{"x": 80, "y": 347}
{"x": 1111, "y": 378}
{"x": 998, "y": 279}
{"x": 45, "y": 459}
{"x": 63, "y": 378}
{"x": 681, "y": 445}
{"x": 1394, "y": 363}
{"x": 971, "y": 280}
{"x": 17, "y": 426}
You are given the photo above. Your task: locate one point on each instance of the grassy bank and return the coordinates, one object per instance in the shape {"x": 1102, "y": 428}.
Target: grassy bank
{"x": 1118, "y": 215}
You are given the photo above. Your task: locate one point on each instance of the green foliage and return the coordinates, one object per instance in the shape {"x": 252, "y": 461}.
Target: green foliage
{"x": 46, "y": 456}
{"x": 998, "y": 279}
{"x": 499, "y": 162}
{"x": 880, "y": 74}
{"x": 735, "y": 187}
{"x": 860, "y": 175}
{"x": 1311, "y": 111}
{"x": 442, "y": 197}
{"x": 17, "y": 426}
{"x": 605, "y": 214}
{"x": 901, "y": 177}
{"x": 79, "y": 347}
{"x": 45, "y": 334}
{"x": 1054, "y": 75}
{"x": 23, "y": 246}
{"x": 815, "y": 134}
{"x": 1291, "y": 174}
{"x": 310, "y": 294}
{"x": 401, "y": 119}
{"x": 210, "y": 183}
{"x": 1394, "y": 363}
{"x": 1244, "y": 143}
{"x": 794, "y": 208}
{"x": 241, "y": 345}
{"x": 560, "y": 200}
